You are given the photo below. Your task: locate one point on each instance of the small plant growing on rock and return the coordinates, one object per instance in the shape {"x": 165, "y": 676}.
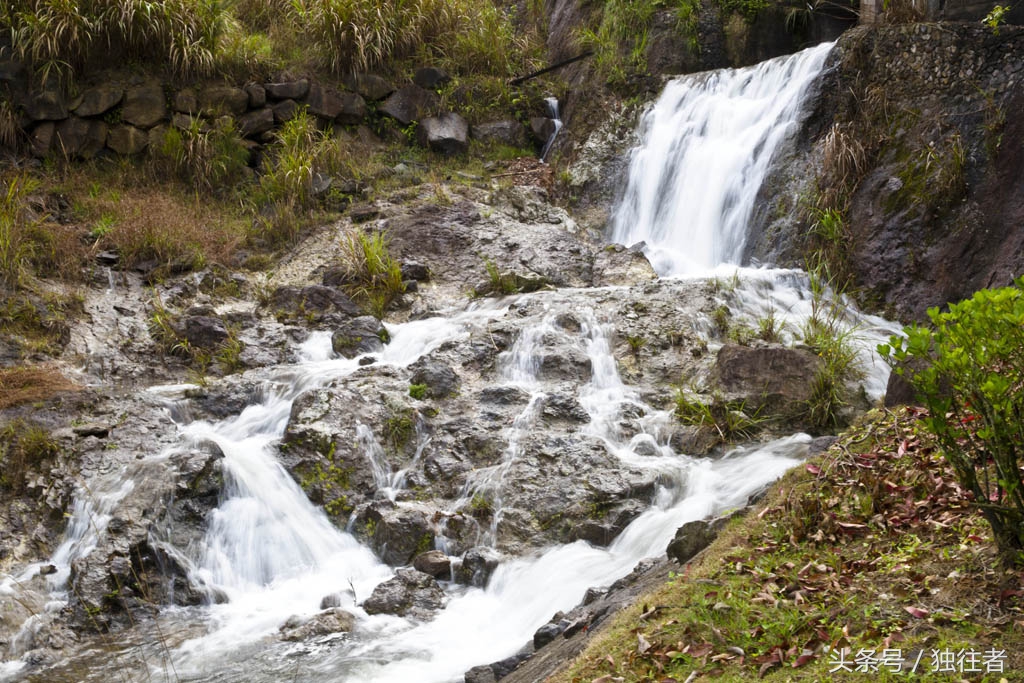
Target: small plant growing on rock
{"x": 729, "y": 419}
{"x": 418, "y": 391}
{"x": 372, "y": 275}
{"x": 996, "y": 17}
{"x": 635, "y": 342}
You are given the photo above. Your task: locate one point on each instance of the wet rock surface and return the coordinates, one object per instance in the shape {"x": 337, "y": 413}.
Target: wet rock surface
{"x": 411, "y": 593}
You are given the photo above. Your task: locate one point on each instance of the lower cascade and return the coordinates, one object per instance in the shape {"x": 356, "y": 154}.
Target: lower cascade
{"x": 270, "y": 557}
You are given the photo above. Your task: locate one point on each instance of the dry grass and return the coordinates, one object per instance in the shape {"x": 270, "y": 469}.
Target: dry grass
{"x": 29, "y": 384}
{"x": 152, "y": 224}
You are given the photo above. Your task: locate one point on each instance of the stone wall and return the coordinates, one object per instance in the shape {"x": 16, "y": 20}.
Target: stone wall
{"x": 127, "y": 116}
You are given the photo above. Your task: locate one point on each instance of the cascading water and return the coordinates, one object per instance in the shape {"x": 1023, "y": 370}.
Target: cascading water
{"x": 272, "y": 554}
{"x": 706, "y": 146}
{"x": 552, "y": 105}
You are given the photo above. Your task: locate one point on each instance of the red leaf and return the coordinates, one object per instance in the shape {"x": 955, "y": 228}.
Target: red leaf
{"x": 902, "y": 450}
{"x": 803, "y": 659}
{"x": 813, "y": 469}
{"x": 917, "y": 612}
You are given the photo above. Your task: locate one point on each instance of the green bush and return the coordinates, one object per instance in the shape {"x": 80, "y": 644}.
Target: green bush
{"x": 209, "y": 156}
{"x": 968, "y": 370}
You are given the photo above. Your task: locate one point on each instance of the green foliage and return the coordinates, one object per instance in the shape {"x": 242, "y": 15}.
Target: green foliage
{"x": 399, "y": 427}
{"x": 825, "y": 334}
{"x": 729, "y": 419}
{"x": 206, "y": 155}
{"x": 360, "y": 35}
{"x": 372, "y": 275}
{"x": 16, "y": 222}
{"x": 418, "y": 391}
{"x": 769, "y": 327}
{"x": 995, "y": 18}
{"x": 620, "y": 40}
{"x": 748, "y": 9}
{"x": 60, "y": 37}
{"x": 23, "y": 446}
{"x": 934, "y": 178}
{"x": 635, "y": 343}
{"x": 968, "y": 369}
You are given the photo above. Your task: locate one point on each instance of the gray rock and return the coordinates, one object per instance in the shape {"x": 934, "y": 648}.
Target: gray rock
{"x": 619, "y": 265}
{"x": 360, "y": 335}
{"x": 201, "y": 331}
{"x": 481, "y": 674}
{"x": 99, "y": 100}
{"x": 506, "y": 132}
{"x": 284, "y": 111}
{"x": 447, "y": 133}
{"x": 441, "y": 380}
{"x": 396, "y": 533}
{"x": 326, "y": 623}
{"x": 127, "y": 140}
{"x": 344, "y": 107}
{"x": 291, "y": 90}
{"x": 435, "y": 563}
{"x": 691, "y": 538}
{"x": 477, "y": 566}
{"x": 186, "y": 101}
{"x": 97, "y": 429}
{"x": 257, "y": 95}
{"x": 48, "y": 105}
{"x": 545, "y": 634}
{"x": 430, "y": 77}
{"x": 564, "y": 407}
{"x": 80, "y": 138}
{"x": 414, "y": 270}
{"x": 410, "y": 593}
{"x": 144, "y": 106}
{"x": 773, "y": 379}
{"x": 220, "y": 99}
{"x": 42, "y": 138}
{"x": 256, "y": 122}
{"x": 410, "y": 103}
{"x": 317, "y": 301}
{"x": 371, "y": 87}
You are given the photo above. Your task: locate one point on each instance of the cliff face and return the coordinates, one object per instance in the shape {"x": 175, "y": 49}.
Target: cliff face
{"x": 914, "y": 144}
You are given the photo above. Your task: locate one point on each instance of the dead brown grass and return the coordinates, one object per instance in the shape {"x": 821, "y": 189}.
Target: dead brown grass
{"x": 175, "y": 231}
{"x": 28, "y": 384}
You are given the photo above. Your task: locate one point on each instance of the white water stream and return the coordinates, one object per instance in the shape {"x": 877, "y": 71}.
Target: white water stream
{"x": 273, "y": 554}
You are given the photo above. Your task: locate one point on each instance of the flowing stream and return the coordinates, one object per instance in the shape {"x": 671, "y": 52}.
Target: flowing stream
{"x": 272, "y": 554}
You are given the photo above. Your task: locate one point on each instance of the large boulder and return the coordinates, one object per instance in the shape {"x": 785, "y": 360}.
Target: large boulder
{"x": 144, "y": 106}
{"x": 326, "y": 623}
{"x": 410, "y": 593}
{"x": 221, "y": 99}
{"x": 41, "y": 139}
{"x": 80, "y": 138}
{"x": 371, "y": 87}
{"x": 99, "y": 100}
{"x": 314, "y": 301}
{"x": 440, "y": 379}
{"x": 447, "y": 133}
{"x": 435, "y": 563}
{"x": 344, "y": 107}
{"x": 256, "y": 122}
{"x": 201, "y": 331}
{"x": 410, "y": 103}
{"x": 619, "y": 265}
{"x": 693, "y": 537}
{"x": 506, "y": 132}
{"x": 289, "y": 90}
{"x": 127, "y": 140}
{"x": 364, "y": 334}
{"x": 397, "y": 533}
{"x": 770, "y": 378}
{"x": 47, "y": 105}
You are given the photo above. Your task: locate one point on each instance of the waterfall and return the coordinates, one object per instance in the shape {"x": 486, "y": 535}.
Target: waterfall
{"x": 272, "y": 554}
{"x": 706, "y": 146}
{"x": 552, "y": 105}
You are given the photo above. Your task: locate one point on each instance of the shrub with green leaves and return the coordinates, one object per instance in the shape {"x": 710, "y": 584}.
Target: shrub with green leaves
{"x": 968, "y": 370}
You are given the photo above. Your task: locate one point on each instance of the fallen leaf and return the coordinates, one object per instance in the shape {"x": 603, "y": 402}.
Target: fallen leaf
{"x": 643, "y": 645}
{"x": 813, "y": 469}
{"x": 917, "y": 612}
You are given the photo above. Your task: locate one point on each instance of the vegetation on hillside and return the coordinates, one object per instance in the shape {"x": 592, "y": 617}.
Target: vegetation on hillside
{"x": 189, "y": 38}
{"x": 872, "y": 547}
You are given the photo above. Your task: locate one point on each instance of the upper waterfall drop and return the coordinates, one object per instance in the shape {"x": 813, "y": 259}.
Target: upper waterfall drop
{"x": 705, "y": 149}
